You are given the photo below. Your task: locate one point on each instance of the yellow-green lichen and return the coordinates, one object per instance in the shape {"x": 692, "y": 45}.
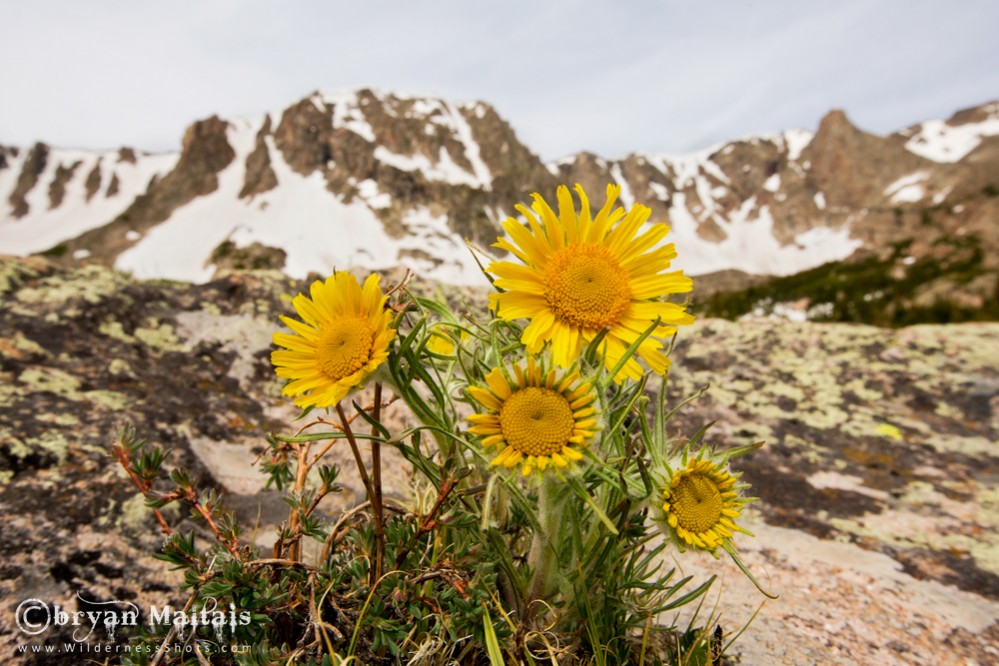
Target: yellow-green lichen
{"x": 160, "y": 336}
{"x": 90, "y": 284}
{"x": 114, "y": 329}
{"x": 52, "y": 380}
{"x": 64, "y": 419}
{"x": 120, "y": 368}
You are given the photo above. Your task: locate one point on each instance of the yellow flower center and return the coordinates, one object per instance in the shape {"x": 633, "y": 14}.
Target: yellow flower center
{"x": 586, "y": 287}
{"x": 697, "y": 503}
{"x": 345, "y": 347}
{"x": 536, "y": 421}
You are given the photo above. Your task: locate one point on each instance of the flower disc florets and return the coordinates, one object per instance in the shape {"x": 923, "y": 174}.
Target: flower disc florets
{"x": 581, "y": 276}
{"x": 702, "y": 503}
{"x": 343, "y": 337}
{"x": 539, "y": 418}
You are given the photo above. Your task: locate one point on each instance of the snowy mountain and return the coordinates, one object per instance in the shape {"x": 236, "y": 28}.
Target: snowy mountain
{"x": 376, "y": 180}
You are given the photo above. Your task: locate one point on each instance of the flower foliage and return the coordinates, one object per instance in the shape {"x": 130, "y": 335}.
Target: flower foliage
{"x": 477, "y": 564}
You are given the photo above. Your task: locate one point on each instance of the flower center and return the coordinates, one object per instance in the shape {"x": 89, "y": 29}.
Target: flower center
{"x": 536, "y": 421}
{"x": 586, "y": 287}
{"x": 345, "y": 347}
{"x": 697, "y": 503}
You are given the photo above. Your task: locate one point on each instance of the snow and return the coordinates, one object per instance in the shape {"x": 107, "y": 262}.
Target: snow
{"x": 750, "y": 245}
{"x": 445, "y": 170}
{"x": 820, "y": 200}
{"x": 936, "y": 140}
{"x": 772, "y": 183}
{"x": 347, "y": 114}
{"x": 940, "y": 196}
{"x": 713, "y": 169}
{"x": 796, "y": 141}
{"x": 316, "y": 229}
{"x": 132, "y": 235}
{"x": 81, "y": 254}
{"x": 368, "y": 190}
{"x": 660, "y": 191}
{"x": 627, "y": 198}
{"x": 907, "y": 188}
{"x": 44, "y": 227}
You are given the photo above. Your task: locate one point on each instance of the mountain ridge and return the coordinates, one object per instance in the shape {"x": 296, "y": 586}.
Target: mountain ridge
{"x": 373, "y": 180}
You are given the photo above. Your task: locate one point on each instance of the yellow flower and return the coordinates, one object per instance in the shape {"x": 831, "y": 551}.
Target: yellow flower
{"x": 581, "y": 275}
{"x": 343, "y": 337}
{"x": 539, "y": 419}
{"x": 441, "y": 343}
{"x": 702, "y": 504}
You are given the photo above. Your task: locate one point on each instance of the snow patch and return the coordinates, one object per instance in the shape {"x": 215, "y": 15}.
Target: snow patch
{"x": 772, "y": 183}
{"x": 796, "y": 141}
{"x": 627, "y": 198}
{"x": 750, "y": 244}
{"x": 936, "y": 140}
{"x": 820, "y": 200}
{"x": 907, "y": 188}
{"x": 315, "y": 228}
{"x": 44, "y": 227}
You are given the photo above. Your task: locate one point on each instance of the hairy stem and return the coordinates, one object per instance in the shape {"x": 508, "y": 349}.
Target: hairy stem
{"x": 376, "y": 486}
{"x": 542, "y": 558}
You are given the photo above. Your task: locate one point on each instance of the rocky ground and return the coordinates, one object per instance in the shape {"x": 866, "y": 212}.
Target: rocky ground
{"x": 878, "y": 489}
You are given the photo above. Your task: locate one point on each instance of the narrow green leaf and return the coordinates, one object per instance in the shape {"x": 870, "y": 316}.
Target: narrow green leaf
{"x": 578, "y": 488}
{"x": 492, "y": 643}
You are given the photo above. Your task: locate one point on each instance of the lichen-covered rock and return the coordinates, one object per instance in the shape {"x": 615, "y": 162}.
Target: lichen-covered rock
{"x": 877, "y": 480}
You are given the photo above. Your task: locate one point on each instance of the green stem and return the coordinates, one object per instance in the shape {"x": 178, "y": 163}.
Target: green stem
{"x": 543, "y": 557}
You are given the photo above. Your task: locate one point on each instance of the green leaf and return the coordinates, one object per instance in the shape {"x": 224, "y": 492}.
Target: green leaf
{"x": 492, "y": 643}
{"x": 578, "y": 488}
{"x": 628, "y": 353}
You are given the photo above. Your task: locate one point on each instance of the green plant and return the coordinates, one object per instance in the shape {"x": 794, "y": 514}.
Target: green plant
{"x": 533, "y": 532}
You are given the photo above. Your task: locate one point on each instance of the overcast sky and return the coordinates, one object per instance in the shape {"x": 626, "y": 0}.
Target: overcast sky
{"x": 609, "y": 77}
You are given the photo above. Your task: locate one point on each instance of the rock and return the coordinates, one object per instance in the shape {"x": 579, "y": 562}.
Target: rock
{"x": 877, "y": 480}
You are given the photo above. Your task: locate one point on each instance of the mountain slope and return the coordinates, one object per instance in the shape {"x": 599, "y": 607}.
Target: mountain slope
{"x": 376, "y": 180}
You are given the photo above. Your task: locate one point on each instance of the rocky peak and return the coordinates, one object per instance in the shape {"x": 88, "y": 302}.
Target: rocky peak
{"x": 852, "y": 167}
{"x": 396, "y": 180}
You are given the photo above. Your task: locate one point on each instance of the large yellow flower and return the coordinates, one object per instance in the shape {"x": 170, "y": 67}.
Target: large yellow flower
{"x": 343, "y": 338}
{"x": 702, "y": 503}
{"x": 582, "y": 274}
{"x": 539, "y": 419}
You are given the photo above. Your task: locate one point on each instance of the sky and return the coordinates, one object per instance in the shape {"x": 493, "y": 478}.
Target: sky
{"x": 608, "y": 77}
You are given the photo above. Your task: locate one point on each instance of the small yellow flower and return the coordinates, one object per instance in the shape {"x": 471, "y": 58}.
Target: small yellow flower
{"x": 441, "y": 343}
{"x": 702, "y": 503}
{"x": 539, "y": 419}
{"x": 343, "y": 337}
{"x": 581, "y": 275}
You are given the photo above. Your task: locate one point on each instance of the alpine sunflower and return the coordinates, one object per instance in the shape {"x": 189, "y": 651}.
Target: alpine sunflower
{"x": 582, "y": 275}
{"x": 539, "y": 419}
{"x": 702, "y": 503}
{"x": 343, "y": 337}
